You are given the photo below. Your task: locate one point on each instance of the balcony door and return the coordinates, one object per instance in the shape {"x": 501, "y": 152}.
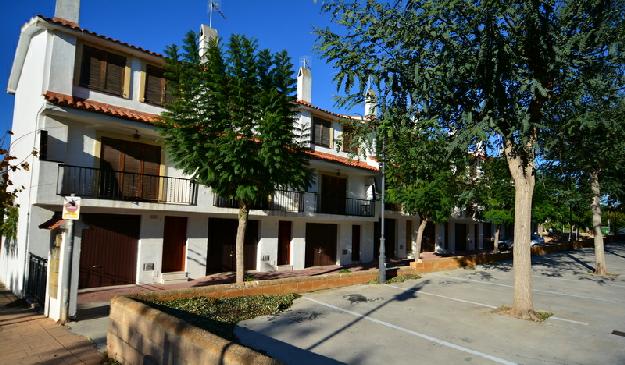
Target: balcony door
{"x": 333, "y": 194}
{"x": 129, "y": 170}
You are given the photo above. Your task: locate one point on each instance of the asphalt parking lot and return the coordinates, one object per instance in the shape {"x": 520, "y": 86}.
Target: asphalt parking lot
{"x": 447, "y": 318}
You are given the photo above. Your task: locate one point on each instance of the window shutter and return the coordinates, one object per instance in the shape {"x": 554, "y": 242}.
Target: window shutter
{"x": 91, "y": 69}
{"x": 115, "y": 69}
{"x": 325, "y": 139}
{"x": 154, "y": 86}
{"x": 317, "y": 132}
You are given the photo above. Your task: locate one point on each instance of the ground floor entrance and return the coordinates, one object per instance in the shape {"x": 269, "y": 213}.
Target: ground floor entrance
{"x": 320, "y": 244}
{"x": 389, "y": 239}
{"x": 108, "y": 250}
{"x": 222, "y": 235}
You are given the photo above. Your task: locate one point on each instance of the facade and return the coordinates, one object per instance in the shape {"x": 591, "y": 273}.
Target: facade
{"x": 87, "y": 103}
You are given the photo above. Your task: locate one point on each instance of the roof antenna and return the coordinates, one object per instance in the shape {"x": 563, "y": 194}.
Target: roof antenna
{"x": 213, "y": 5}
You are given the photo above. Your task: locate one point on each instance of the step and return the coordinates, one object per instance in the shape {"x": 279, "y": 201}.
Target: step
{"x": 174, "y": 277}
{"x": 285, "y": 268}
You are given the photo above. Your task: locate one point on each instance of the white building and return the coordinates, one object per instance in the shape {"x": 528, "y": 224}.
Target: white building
{"x": 87, "y": 104}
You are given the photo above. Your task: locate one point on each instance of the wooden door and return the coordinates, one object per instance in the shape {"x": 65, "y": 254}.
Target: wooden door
{"x": 476, "y": 235}
{"x": 221, "y": 255}
{"x": 487, "y": 230}
{"x": 461, "y": 237}
{"x": 333, "y": 194}
{"x": 408, "y": 236}
{"x": 284, "y": 242}
{"x": 355, "y": 242}
{"x": 429, "y": 238}
{"x": 389, "y": 239}
{"x": 174, "y": 244}
{"x": 108, "y": 250}
{"x": 320, "y": 244}
{"x": 129, "y": 170}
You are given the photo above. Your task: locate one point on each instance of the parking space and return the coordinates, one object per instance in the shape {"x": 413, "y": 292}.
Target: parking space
{"x": 446, "y": 318}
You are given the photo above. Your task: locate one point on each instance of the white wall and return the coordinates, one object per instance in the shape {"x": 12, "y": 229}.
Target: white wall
{"x": 366, "y": 241}
{"x": 28, "y": 102}
{"x": 298, "y": 245}
{"x": 268, "y": 245}
{"x": 344, "y": 246}
{"x": 150, "y": 248}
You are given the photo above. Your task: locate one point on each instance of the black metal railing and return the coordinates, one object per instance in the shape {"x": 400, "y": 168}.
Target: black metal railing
{"x": 37, "y": 278}
{"x": 281, "y": 200}
{"x": 89, "y": 182}
{"x": 347, "y": 206}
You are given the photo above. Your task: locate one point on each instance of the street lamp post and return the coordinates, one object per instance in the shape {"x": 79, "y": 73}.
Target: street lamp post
{"x": 382, "y": 257}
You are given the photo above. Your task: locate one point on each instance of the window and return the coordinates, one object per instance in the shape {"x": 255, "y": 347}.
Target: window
{"x": 321, "y": 132}
{"x": 156, "y": 91}
{"x": 102, "y": 71}
{"x": 349, "y": 144}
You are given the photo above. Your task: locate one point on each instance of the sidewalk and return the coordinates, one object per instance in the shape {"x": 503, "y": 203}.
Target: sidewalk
{"x": 27, "y": 337}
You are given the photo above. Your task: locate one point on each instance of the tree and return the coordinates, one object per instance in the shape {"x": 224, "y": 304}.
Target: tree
{"x": 230, "y": 124}
{"x": 421, "y": 175}
{"x": 592, "y": 109}
{"x": 484, "y": 70}
{"x": 495, "y": 194}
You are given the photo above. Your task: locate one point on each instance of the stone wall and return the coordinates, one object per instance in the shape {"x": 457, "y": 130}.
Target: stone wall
{"x": 141, "y": 335}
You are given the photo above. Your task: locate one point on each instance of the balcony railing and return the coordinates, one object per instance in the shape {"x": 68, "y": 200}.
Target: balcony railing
{"x": 88, "y": 182}
{"x": 347, "y": 206}
{"x": 281, "y": 200}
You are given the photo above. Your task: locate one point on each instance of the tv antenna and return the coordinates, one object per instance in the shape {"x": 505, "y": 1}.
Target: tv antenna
{"x": 213, "y": 5}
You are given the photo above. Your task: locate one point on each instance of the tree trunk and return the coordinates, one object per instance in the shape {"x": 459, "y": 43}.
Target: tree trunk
{"x": 524, "y": 179}
{"x": 496, "y": 238}
{"x": 600, "y": 267}
{"x": 417, "y": 255}
{"x": 240, "y": 262}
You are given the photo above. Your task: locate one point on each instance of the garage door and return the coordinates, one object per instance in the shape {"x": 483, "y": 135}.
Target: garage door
{"x": 320, "y": 244}
{"x": 108, "y": 250}
{"x": 222, "y": 237}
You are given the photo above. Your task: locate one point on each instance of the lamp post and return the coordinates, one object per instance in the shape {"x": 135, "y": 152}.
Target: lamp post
{"x": 382, "y": 257}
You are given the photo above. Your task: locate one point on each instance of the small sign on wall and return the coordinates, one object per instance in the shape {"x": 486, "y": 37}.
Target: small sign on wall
{"x": 71, "y": 208}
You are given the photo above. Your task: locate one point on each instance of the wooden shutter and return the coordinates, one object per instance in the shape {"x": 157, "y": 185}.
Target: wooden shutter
{"x": 154, "y": 85}
{"x": 151, "y": 156}
{"x": 91, "y": 75}
{"x": 348, "y": 140}
{"x": 321, "y": 132}
{"x": 115, "y": 74}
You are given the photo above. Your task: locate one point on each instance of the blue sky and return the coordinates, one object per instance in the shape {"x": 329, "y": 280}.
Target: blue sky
{"x": 154, "y": 24}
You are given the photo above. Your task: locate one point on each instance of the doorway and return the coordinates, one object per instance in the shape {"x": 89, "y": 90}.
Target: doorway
{"x": 284, "y": 242}
{"x": 174, "y": 244}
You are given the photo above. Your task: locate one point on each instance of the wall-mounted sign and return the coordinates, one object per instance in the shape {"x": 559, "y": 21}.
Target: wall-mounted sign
{"x": 71, "y": 208}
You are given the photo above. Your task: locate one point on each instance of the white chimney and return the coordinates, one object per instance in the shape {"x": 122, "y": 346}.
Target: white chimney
{"x": 68, "y": 10}
{"x": 371, "y": 103}
{"x": 304, "y": 81}
{"x": 207, "y": 35}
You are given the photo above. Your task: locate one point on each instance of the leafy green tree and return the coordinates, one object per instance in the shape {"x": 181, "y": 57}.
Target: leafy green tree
{"x": 487, "y": 71}
{"x": 230, "y": 124}
{"x": 495, "y": 194}
{"x": 421, "y": 175}
{"x": 590, "y": 118}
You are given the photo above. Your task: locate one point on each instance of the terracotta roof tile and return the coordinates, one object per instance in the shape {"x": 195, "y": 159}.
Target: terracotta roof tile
{"x": 98, "y": 107}
{"x": 73, "y": 26}
{"x": 341, "y": 160}
{"x": 309, "y": 105}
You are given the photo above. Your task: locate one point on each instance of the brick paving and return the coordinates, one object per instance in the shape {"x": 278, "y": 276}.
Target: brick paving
{"x": 27, "y": 337}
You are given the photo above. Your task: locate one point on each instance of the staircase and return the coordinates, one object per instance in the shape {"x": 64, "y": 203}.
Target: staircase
{"x": 174, "y": 277}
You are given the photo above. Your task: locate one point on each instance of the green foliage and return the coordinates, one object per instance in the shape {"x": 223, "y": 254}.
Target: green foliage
{"x": 616, "y": 219}
{"x": 230, "y": 124}
{"x": 494, "y": 191}
{"x": 421, "y": 173}
{"x": 397, "y": 279}
{"x": 220, "y": 315}
{"x": 8, "y": 228}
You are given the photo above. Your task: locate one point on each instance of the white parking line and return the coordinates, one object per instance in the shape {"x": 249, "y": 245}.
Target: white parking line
{"x": 539, "y": 291}
{"x": 417, "y": 334}
{"x": 480, "y": 304}
{"x": 580, "y": 281}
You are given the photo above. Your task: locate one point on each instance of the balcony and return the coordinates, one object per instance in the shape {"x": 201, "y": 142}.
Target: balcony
{"x": 94, "y": 183}
{"x": 281, "y": 200}
{"x": 347, "y": 206}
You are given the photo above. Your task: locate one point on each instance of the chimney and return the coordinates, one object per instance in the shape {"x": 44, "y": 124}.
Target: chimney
{"x": 304, "y": 81}
{"x": 371, "y": 103}
{"x": 68, "y": 10}
{"x": 207, "y": 35}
